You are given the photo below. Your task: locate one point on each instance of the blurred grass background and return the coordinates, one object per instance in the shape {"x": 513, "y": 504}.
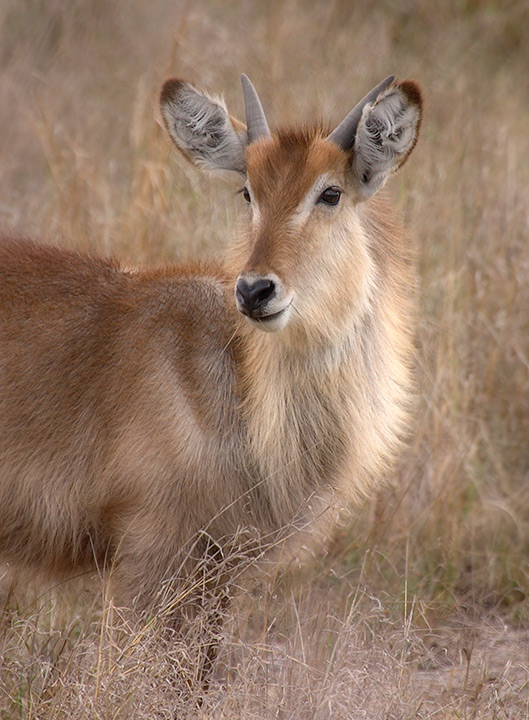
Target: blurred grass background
{"x": 84, "y": 162}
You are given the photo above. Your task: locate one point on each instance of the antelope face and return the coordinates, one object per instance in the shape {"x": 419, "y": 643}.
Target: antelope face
{"x": 305, "y": 258}
{"x": 295, "y": 191}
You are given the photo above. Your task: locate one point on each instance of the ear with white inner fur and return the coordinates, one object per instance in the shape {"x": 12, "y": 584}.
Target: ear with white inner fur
{"x": 386, "y": 135}
{"x": 202, "y": 129}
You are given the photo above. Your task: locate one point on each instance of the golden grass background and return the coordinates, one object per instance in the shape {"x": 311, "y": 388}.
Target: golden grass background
{"x": 422, "y": 608}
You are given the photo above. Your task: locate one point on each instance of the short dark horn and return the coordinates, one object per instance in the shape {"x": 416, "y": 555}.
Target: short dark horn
{"x": 344, "y": 134}
{"x": 255, "y": 118}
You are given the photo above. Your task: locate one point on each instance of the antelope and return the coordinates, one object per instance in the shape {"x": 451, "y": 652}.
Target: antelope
{"x": 144, "y": 412}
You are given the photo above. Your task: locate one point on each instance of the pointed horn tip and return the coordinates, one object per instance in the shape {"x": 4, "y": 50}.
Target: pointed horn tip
{"x": 344, "y": 134}
{"x": 256, "y": 124}
{"x": 247, "y": 84}
{"x": 385, "y": 84}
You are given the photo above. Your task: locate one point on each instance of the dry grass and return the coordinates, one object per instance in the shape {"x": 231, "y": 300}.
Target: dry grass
{"x": 421, "y": 610}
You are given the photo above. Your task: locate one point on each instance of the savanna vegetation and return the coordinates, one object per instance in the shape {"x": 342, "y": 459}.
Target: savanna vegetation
{"x": 420, "y": 608}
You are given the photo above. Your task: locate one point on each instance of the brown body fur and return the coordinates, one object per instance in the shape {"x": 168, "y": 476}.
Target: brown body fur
{"x": 139, "y": 411}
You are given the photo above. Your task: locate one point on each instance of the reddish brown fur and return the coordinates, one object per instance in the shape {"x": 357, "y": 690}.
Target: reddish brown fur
{"x": 142, "y": 418}
{"x": 281, "y": 172}
{"x": 86, "y": 348}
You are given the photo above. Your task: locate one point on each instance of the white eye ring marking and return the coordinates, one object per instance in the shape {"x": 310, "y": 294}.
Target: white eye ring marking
{"x": 247, "y": 192}
{"x": 312, "y": 198}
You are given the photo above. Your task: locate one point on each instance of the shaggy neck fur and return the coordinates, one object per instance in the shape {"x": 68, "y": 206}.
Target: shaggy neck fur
{"x": 325, "y": 414}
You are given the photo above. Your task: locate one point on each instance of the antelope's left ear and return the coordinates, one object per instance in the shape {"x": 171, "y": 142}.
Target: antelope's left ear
{"x": 385, "y": 136}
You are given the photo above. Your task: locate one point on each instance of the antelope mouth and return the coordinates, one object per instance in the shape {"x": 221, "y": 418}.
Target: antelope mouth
{"x": 272, "y": 322}
{"x": 271, "y": 316}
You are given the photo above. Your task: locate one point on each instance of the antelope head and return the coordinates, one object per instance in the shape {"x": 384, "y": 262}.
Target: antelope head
{"x": 305, "y": 258}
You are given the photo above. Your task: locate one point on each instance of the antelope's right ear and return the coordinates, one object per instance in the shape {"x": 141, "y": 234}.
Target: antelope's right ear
{"x": 202, "y": 129}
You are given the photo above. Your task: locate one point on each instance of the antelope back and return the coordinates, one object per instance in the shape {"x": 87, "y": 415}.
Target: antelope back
{"x": 112, "y": 383}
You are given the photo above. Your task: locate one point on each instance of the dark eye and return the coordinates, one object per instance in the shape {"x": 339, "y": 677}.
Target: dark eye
{"x": 330, "y": 196}
{"x": 246, "y": 195}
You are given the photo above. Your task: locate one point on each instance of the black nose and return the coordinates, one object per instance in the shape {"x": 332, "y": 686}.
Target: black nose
{"x": 252, "y": 296}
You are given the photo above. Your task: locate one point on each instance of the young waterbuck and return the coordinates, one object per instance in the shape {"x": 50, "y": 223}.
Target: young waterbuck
{"x": 149, "y": 417}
